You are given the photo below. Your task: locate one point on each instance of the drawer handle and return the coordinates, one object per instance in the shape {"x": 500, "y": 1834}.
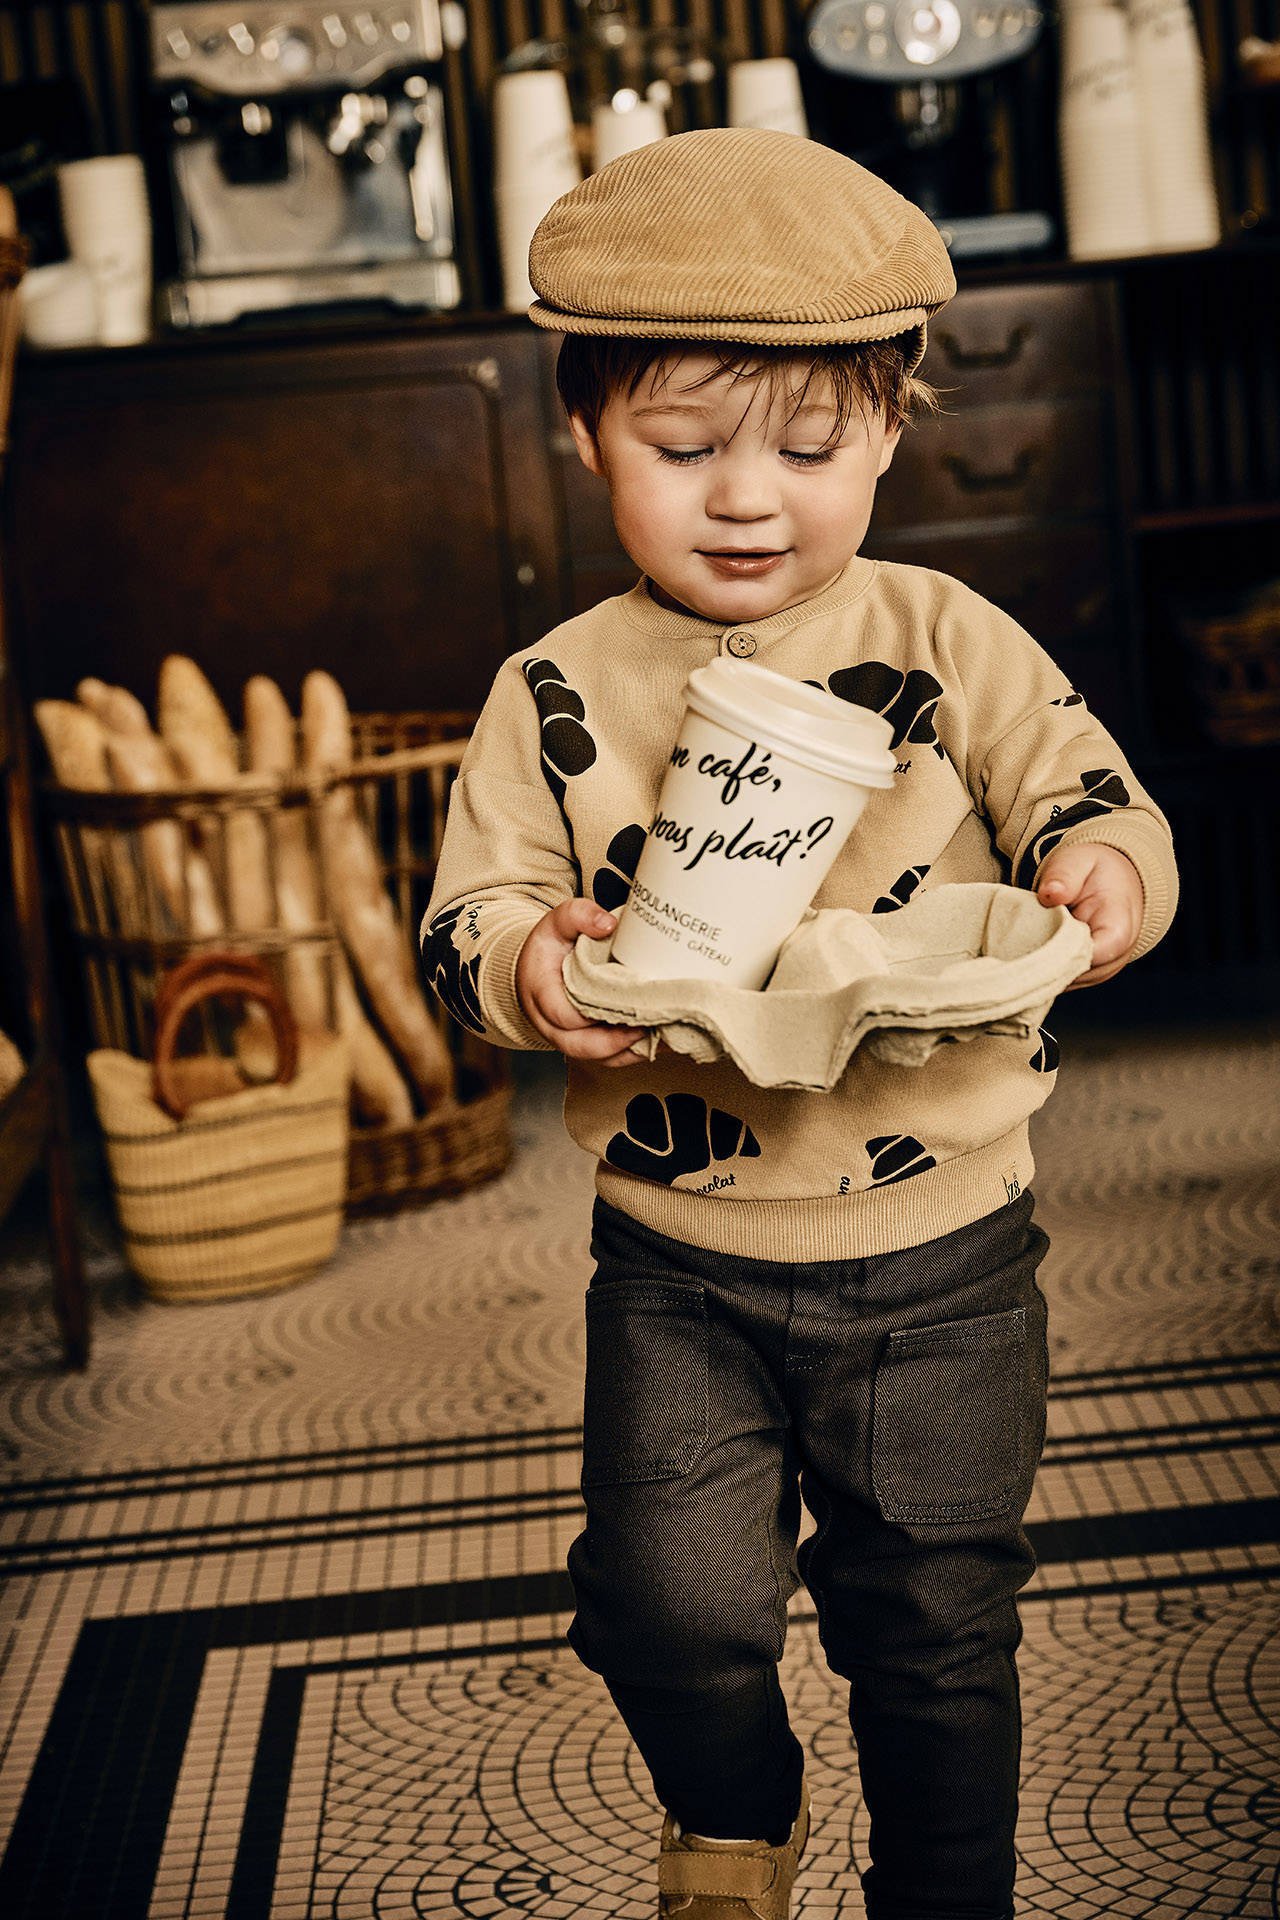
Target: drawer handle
{"x": 981, "y": 359}
{"x": 970, "y": 482}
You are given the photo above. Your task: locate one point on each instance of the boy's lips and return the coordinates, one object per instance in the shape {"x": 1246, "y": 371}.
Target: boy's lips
{"x": 743, "y": 562}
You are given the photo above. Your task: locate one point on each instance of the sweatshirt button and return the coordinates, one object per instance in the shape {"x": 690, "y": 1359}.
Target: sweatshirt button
{"x": 741, "y": 645}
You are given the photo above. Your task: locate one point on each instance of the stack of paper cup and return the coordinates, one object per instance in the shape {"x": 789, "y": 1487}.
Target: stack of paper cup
{"x": 1169, "y": 70}
{"x": 623, "y": 124}
{"x": 534, "y": 163}
{"x": 1104, "y": 186}
{"x": 766, "y": 93}
{"x": 108, "y": 226}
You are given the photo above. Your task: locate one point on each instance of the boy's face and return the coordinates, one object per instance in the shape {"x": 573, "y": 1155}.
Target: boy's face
{"x": 734, "y": 505}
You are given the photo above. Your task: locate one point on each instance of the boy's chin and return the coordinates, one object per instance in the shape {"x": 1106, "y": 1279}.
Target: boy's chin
{"x": 742, "y": 600}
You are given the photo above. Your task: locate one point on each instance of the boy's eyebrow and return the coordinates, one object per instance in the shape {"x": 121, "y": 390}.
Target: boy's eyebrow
{"x": 699, "y": 407}
{"x": 671, "y": 406}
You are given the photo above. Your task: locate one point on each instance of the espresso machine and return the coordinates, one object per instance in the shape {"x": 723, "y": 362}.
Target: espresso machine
{"x": 950, "y": 102}
{"x": 307, "y": 155}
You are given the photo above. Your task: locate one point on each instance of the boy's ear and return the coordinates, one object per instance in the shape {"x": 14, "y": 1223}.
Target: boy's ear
{"x": 587, "y": 444}
{"x": 889, "y": 448}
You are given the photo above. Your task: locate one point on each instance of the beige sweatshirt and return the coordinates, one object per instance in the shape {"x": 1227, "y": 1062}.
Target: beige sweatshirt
{"x": 999, "y": 761}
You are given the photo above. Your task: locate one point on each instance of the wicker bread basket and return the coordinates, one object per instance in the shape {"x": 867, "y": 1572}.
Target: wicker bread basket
{"x": 402, "y": 773}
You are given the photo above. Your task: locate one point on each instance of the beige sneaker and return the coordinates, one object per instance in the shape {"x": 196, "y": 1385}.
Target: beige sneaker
{"x": 750, "y": 1882}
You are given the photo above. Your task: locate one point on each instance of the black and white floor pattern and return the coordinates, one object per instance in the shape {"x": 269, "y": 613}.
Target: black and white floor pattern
{"x": 285, "y": 1594}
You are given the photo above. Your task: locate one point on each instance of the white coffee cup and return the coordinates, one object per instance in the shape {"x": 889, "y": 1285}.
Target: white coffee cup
{"x": 535, "y": 162}
{"x": 533, "y": 139}
{"x": 1104, "y": 183}
{"x": 59, "y": 305}
{"x": 108, "y": 227}
{"x": 766, "y": 93}
{"x": 766, "y": 781}
{"x": 623, "y": 124}
{"x": 104, "y": 203}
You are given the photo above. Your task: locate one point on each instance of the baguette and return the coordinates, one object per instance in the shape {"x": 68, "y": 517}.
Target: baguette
{"x": 190, "y": 707}
{"x": 198, "y": 734}
{"x": 12, "y": 1066}
{"x": 140, "y": 763}
{"x": 76, "y": 743}
{"x": 360, "y": 903}
{"x": 378, "y": 1091}
{"x": 119, "y": 710}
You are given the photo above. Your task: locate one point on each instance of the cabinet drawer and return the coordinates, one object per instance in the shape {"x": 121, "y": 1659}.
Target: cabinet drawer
{"x": 995, "y": 344}
{"x": 997, "y": 463}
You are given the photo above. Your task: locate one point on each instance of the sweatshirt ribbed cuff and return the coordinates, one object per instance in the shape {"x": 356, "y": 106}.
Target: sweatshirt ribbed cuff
{"x": 1146, "y": 843}
{"x": 506, "y": 1023}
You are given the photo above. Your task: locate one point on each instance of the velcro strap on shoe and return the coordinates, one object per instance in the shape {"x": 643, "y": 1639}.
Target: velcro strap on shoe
{"x": 736, "y": 1877}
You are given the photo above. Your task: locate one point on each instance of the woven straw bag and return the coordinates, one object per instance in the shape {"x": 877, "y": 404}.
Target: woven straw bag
{"x": 224, "y": 1189}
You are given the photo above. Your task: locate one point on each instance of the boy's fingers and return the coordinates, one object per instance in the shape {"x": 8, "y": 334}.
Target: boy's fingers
{"x": 1066, "y": 877}
{"x": 573, "y": 917}
{"x": 601, "y": 1044}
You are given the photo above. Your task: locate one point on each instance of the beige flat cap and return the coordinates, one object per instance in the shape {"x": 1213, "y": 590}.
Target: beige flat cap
{"x": 738, "y": 233}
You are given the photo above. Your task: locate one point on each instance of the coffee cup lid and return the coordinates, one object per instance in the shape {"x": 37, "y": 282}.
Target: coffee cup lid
{"x": 802, "y": 722}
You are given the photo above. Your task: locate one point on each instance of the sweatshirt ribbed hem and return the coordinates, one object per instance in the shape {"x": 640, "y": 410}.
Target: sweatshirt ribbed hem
{"x": 851, "y": 1226}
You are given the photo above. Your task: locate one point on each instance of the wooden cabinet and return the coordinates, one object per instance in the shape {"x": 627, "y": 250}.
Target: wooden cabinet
{"x": 1013, "y": 487}
{"x": 377, "y": 506}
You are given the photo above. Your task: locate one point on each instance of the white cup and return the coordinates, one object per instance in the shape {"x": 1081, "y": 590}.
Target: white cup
{"x": 1170, "y": 79}
{"x": 623, "y": 124}
{"x": 533, "y": 143}
{"x": 518, "y": 215}
{"x": 59, "y": 305}
{"x": 766, "y": 781}
{"x": 1104, "y": 187}
{"x": 108, "y": 227}
{"x": 535, "y": 162}
{"x": 766, "y": 93}
{"x": 104, "y": 204}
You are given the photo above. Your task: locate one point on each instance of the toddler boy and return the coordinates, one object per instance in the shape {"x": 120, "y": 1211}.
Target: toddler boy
{"x": 820, "y": 1296}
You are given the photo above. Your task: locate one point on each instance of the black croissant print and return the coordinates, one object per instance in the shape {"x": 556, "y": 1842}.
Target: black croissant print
{"x": 567, "y": 747}
{"x": 1104, "y": 792}
{"x": 1046, "y": 1056}
{"x": 612, "y": 883}
{"x": 679, "y": 1134}
{"x": 901, "y": 891}
{"x": 908, "y": 701}
{"x": 452, "y": 979}
{"x": 897, "y": 1156}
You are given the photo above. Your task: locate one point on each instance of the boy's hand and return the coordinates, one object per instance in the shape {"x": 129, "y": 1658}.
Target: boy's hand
{"x": 540, "y": 988}
{"x": 1102, "y": 888}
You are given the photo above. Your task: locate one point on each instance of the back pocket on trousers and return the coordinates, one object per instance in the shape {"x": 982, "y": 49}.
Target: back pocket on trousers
{"x": 946, "y": 1421}
{"x": 645, "y": 1412}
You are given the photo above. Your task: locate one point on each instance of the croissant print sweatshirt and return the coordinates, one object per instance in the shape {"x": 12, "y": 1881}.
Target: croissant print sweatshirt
{"x": 999, "y": 761}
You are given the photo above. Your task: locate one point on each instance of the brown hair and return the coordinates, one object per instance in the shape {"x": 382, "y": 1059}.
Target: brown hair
{"x": 866, "y": 374}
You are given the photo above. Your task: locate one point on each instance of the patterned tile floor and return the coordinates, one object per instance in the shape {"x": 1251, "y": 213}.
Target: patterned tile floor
{"x": 283, "y": 1623}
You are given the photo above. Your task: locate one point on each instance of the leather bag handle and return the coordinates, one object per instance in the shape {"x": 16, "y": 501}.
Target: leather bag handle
{"x": 209, "y": 976}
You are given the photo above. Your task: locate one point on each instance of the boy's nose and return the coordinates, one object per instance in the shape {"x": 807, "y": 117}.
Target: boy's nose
{"x": 743, "y": 490}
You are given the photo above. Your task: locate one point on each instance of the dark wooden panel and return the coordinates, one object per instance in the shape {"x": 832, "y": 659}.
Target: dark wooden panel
{"x": 992, "y": 463}
{"x": 274, "y": 512}
{"x": 1055, "y": 580}
{"x": 994, "y": 344}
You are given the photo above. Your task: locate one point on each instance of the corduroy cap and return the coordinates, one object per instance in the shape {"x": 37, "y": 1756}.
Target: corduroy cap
{"x": 738, "y": 233}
